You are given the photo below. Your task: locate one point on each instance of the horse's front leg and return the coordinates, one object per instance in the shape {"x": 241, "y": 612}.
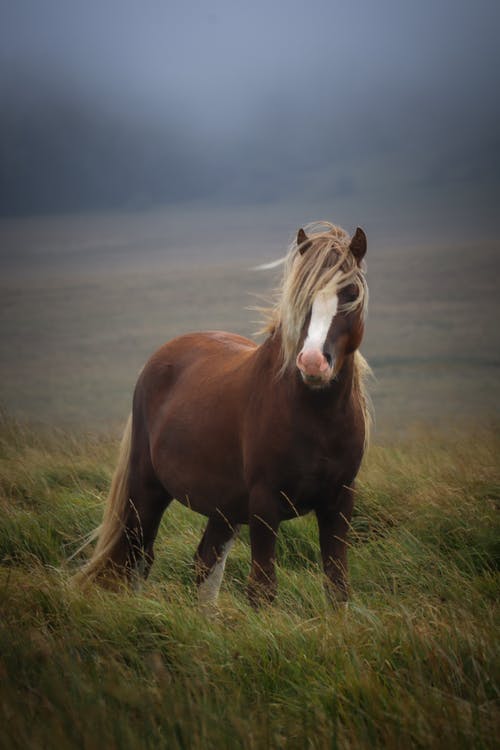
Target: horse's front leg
{"x": 264, "y": 524}
{"x": 333, "y": 522}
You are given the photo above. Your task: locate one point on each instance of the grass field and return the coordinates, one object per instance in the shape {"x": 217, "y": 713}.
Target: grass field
{"x": 413, "y": 662}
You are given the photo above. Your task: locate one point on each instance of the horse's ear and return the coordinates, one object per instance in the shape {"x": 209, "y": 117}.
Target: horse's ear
{"x": 358, "y": 245}
{"x": 302, "y": 242}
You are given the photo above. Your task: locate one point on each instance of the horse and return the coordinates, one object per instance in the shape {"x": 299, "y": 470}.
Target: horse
{"x": 251, "y": 434}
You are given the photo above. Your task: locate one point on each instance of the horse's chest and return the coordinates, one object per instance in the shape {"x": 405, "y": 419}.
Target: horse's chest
{"x": 307, "y": 461}
{"x": 313, "y": 477}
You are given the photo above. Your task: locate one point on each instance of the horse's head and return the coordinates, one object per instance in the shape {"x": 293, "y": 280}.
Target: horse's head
{"x": 334, "y": 325}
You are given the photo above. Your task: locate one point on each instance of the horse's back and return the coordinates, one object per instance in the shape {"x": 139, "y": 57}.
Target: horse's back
{"x": 193, "y": 350}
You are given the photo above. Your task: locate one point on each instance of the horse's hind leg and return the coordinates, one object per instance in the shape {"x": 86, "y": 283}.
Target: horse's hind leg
{"x": 148, "y": 501}
{"x": 210, "y": 558}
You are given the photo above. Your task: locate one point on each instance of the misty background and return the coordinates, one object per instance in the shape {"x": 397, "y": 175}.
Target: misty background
{"x": 385, "y": 110}
{"x": 136, "y": 137}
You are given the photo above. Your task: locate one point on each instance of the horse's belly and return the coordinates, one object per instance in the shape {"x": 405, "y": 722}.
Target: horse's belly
{"x": 231, "y": 507}
{"x": 199, "y": 462}
{"x": 206, "y": 486}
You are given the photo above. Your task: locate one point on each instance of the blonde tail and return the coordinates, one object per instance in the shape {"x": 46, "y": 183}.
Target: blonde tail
{"x": 111, "y": 534}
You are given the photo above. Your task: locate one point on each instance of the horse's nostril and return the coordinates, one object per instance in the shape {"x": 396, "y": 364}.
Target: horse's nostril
{"x": 328, "y": 358}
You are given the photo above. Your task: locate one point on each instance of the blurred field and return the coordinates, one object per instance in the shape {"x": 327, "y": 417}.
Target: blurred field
{"x": 413, "y": 662}
{"x": 79, "y": 316}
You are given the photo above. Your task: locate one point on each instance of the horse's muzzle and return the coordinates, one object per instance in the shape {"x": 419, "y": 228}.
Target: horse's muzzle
{"x": 314, "y": 367}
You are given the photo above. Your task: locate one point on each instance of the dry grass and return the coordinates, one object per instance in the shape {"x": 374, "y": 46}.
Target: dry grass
{"x": 413, "y": 662}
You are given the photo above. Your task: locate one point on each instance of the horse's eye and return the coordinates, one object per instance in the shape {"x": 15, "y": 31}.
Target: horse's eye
{"x": 350, "y": 293}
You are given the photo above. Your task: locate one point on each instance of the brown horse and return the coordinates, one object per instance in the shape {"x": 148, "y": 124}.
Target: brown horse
{"x": 248, "y": 434}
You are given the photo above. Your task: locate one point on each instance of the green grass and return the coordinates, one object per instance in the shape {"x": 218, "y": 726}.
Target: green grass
{"x": 413, "y": 662}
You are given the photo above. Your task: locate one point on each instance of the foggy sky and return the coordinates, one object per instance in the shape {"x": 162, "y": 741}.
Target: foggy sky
{"x": 389, "y": 106}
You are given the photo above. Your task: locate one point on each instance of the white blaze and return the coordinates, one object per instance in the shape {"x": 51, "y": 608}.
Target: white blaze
{"x": 324, "y": 309}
